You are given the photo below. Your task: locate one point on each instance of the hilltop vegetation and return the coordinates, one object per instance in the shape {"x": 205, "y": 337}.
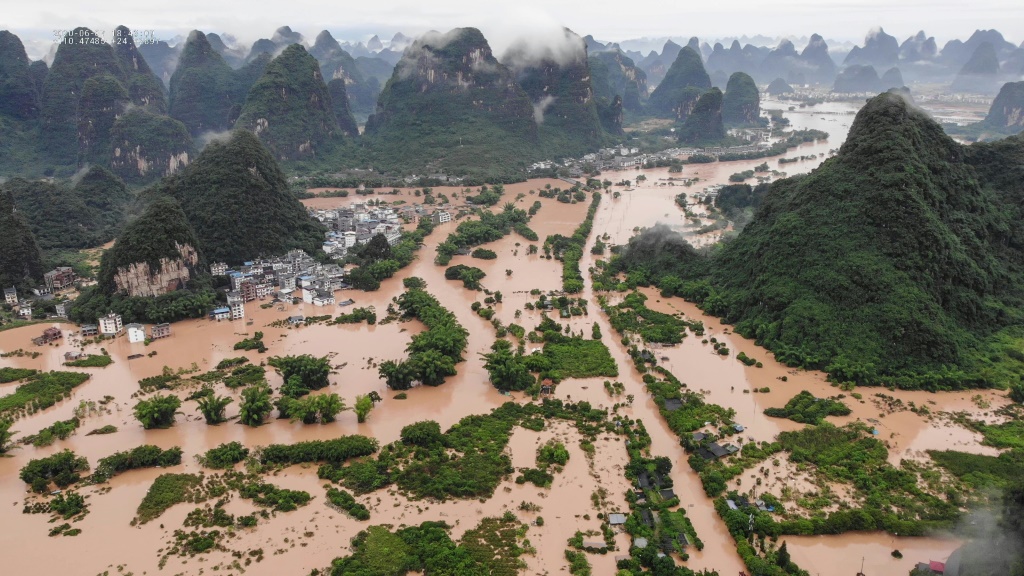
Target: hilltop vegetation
{"x": 233, "y": 189}
{"x": 460, "y": 105}
{"x": 908, "y": 273}
{"x": 290, "y": 108}
{"x": 684, "y": 82}
{"x": 63, "y": 215}
{"x": 20, "y": 261}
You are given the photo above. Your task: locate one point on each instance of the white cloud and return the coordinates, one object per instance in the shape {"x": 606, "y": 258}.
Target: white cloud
{"x": 605, "y": 19}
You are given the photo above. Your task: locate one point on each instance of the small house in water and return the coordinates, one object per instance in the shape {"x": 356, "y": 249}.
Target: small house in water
{"x": 72, "y": 356}
{"x": 49, "y": 335}
{"x": 136, "y": 333}
{"x": 89, "y": 330}
{"x": 222, "y": 313}
{"x": 616, "y": 519}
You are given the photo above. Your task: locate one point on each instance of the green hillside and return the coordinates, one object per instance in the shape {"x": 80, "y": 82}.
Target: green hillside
{"x": 898, "y": 261}
{"x": 20, "y": 261}
{"x": 461, "y": 107}
{"x": 238, "y": 202}
{"x": 289, "y": 108}
{"x": 684, "y": 82}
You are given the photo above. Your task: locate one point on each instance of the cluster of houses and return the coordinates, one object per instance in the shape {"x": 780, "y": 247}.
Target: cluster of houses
{"x": 652, "y": 481}
{"x": 350, "y": 226}
{"x": 112, "y": 325}
{"x": 55, "y": 281}
{"x": 278, "y": 278}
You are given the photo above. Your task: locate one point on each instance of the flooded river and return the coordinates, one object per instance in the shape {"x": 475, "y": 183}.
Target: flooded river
{"x": 299, "y": 541}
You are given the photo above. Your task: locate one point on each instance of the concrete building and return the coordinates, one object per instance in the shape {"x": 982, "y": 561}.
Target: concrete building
{"x": 60, "y": 278}
{"x": 136, "y": 333}
{"x": 110, "y": 324}
{"x": 160, "y": 331}
{"x": 222, "y": 313}
{"x": 218, "y": 269}
{"x": 63, "y": 308}
{"x": 89, "y": 330}
{"x": 441, "y": 217}
{"x": 11, "y": 295}
{"x": 25, "y": 309}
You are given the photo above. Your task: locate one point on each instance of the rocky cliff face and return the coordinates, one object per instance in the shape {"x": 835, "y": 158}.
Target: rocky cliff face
{"x": 1007, "y": 110}
{"x": 615, "y": 74}
{"x": 138, "y": 279}
{"x": 880, "y": 50}
{"x": 154, "y": 254}
{"x": 147, "y": 146}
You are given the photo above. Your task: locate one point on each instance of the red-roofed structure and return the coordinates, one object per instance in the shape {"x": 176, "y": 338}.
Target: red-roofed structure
{"x": 937, "y": 567}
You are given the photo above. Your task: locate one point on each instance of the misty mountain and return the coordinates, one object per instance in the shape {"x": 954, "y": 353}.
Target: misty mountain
{"x": 880, "y": 50}
{"x": 657, "y": 65}
{"x": 337, "y": 64}
{"x": 1007, "y": 111}
{"x": 856, "y": 79}
{"x": 206, "y": 95}
{"x": 980, "y": 74}
{"x": 451, "y": 104}
{"x": 556, "y": 77}
{"x": 290, "y": 108}
{"x": 957, "y": 53}
{"x": 234, "y": 56}
{"x": 918, "y": 47}
{"x": 162, "y": 59}
{"x": 703, "y": 125}
{"x": 778, "y": 87}
{"x": 19, "y": 97}
{"x": 283, "y": 37}
{"x": 685, "y": 81}
{"x": 614, "y": 74}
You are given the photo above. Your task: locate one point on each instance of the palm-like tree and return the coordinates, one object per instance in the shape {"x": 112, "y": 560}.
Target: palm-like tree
{"x": 213, "y": 407}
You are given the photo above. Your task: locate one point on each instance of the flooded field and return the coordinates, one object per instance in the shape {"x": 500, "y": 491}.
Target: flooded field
{"x": 308, "y": 538}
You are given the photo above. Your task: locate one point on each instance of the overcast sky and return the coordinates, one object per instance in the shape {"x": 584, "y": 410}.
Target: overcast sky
{"x": 606, "y": 19}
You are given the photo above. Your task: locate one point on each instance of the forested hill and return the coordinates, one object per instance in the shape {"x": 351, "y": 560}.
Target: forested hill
{"x": 238, "y": 202}
{"x": 20, "y": 261}
{"x": 290, "y": 109}
{"x": 451, "y": 104}
{"x": 898, "y": 261}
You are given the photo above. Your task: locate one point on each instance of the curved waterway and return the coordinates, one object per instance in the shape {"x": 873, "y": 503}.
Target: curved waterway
{"x": 299, "y": 541}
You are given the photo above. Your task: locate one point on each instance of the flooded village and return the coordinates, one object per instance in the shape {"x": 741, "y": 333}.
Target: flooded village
{"x": 290, "y": 300}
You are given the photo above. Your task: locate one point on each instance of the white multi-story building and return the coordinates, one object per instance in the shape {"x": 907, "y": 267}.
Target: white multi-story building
{"x": 218, "y": 269}
{"x": 110, "y": 324}
{"x": 136, "y": 333}
{"x": 11, "y": 295}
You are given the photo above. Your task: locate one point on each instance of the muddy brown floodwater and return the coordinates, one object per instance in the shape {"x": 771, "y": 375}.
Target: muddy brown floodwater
{"x": 299, "y": 541}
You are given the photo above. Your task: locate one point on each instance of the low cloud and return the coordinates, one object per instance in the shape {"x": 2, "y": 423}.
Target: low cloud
{"x": 540, "y": 107}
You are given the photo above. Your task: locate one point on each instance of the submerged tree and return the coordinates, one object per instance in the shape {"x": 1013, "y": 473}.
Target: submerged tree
{"x": 363, "y": 406}
{"x": 157, "y": 412}
{"x": 256, "y": 405}
{"x": 213, "y": 407}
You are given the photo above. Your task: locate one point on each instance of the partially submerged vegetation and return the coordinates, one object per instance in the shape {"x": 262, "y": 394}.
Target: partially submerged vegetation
{"x": 433, "y": 353}
{"x": 39, "y": 392}
{"x": 806, "y": 409}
